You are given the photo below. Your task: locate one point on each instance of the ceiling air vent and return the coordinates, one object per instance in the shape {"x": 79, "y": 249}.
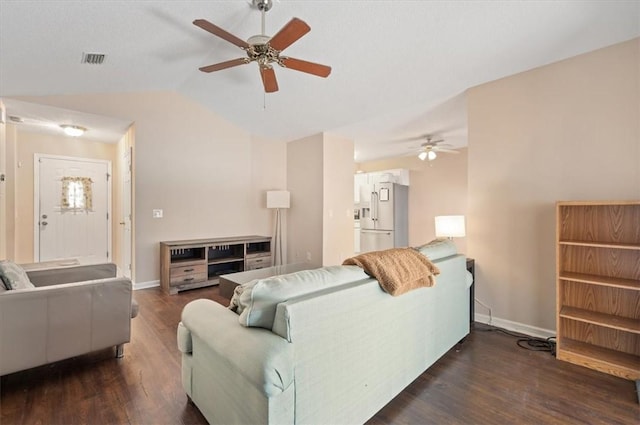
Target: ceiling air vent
{"x": 93, "y": 58}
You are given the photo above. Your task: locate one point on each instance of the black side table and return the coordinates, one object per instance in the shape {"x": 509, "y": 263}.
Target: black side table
{"x": 471, "y": 268}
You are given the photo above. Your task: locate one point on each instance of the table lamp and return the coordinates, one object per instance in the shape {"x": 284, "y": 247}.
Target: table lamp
{"x": 450, "y": 226}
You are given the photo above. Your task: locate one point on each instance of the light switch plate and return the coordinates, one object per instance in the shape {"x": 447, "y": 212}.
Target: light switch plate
{"x": 157, "y": 213}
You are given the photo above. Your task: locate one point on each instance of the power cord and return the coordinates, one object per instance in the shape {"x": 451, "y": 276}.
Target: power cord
{"x": 485, "y": 306}
{"x": 524, "y": 341}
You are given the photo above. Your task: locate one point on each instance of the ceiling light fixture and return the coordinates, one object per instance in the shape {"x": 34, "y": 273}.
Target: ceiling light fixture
{"x": 422, "y": 155}
{"x": 73, "y": 130}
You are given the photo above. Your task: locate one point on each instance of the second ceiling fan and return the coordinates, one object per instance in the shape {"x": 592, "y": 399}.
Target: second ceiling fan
{"x": 266, "y": 50}
{"x": 428, "y": 150}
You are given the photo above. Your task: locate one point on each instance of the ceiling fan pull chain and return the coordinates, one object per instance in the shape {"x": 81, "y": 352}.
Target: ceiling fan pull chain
{"x": 263, "y": 16}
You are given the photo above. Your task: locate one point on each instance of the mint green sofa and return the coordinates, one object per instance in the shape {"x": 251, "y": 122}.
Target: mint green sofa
{"x": 335, "y": 355}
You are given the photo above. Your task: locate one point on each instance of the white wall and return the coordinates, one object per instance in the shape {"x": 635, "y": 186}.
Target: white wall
{"x": 191, "y": 163}
{"x": 566, "y": 131}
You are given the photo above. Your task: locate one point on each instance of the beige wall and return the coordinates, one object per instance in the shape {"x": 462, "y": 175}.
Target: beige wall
{"x": 28, "y": 144}
{"x": 191, "y": 163}
{"x": 565, "y": 131}
{"x": 436, "y": 188}
{"x": 320, "y": 179}
{"x": 3, "y": 185}
{"x": 305, "y": 183}
{"x": 10, "y": 205}
{"x": 337, "y": 192}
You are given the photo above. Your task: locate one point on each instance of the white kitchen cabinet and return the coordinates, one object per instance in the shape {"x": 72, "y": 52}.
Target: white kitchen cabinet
{"x": 359, "y": 180}
{"x": 396, "y": 175}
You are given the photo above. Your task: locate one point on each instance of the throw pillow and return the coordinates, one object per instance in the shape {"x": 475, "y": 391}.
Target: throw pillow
{"x": 256, "y": 301}
{"x": 14, "y": 276}
{"x": 438, "y": 248}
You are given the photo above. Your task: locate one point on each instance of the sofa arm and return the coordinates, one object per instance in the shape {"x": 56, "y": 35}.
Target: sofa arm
{"x": 59, "y": 275}
{"x": 260, "y": 356}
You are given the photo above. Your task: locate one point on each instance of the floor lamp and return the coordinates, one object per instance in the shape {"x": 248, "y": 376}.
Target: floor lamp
{"x": 277, "y": 199}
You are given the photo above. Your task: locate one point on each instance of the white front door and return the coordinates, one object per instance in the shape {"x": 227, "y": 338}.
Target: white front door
{"x": 72, "y": 208}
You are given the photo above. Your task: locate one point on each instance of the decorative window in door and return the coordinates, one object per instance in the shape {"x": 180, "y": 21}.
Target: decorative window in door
{"x": 76, "y": 194}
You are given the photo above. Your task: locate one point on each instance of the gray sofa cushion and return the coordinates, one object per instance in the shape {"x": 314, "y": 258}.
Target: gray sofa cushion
{"x": 13, "y": 276}
{"x": 58, "y": 275}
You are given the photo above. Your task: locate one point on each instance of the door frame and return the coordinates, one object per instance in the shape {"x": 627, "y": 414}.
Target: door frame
{"x": 127, "y": 262}
{"x": 36, "y": 200}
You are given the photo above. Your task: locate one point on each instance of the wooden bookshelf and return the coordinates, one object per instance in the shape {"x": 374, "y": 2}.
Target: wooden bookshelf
{"x": 598, "y": 285}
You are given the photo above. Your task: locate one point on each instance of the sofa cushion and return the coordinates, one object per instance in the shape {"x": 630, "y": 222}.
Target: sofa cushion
{"x": 13, "y": 276}
{"x": 438, "y": 248}
{"x": 256, "y": 301}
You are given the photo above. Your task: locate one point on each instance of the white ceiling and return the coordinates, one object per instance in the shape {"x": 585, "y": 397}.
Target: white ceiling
{"x": 400, "y": 68}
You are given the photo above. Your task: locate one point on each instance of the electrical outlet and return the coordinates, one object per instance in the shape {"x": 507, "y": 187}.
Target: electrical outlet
{"x": 157, "y": 213}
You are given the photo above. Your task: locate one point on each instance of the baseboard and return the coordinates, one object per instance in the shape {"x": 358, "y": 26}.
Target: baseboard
{"x": 145, "y": 285}
{"x": 515, "y": 326}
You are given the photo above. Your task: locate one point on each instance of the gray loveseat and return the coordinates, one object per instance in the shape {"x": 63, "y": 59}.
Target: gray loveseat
{"x": 333, "y": 353}
{"x": 68, "y": 311}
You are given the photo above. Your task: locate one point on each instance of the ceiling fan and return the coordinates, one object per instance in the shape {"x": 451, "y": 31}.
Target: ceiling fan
{"x": 429, "y": 148}
{"x": 266, "y": 50}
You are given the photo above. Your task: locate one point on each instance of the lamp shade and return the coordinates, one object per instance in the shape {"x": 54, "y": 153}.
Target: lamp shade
{"x": 450, "y": 226}
{"x": 278, "y": 199}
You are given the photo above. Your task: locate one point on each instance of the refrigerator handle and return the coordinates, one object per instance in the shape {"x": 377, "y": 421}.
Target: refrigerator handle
{"x": 374, "y": 205}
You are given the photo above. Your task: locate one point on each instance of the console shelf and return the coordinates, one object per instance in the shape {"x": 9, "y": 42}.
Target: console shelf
{"x": 598, "y": 286}
{"x": 195, "y": 263}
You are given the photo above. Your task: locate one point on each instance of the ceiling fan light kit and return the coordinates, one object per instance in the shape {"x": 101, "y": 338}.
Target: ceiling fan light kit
{"x": 265, "y": 50}
{"x": 429, "y": 149}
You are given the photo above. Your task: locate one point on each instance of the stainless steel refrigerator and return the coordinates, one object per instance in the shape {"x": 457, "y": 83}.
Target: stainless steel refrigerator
{"x": 384, "y": 216}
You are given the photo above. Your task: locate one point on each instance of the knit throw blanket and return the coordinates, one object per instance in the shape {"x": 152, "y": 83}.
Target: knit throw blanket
{"x": 398, "y": 270}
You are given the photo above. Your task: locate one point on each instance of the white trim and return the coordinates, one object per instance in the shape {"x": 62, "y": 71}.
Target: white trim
{"x": 36, "y": 199}
{"x": 515, "y": 326}
{"x": 146, "y": 285}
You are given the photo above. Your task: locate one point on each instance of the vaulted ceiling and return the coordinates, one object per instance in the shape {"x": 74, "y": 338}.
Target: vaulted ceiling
{"x": 399, "y": 68}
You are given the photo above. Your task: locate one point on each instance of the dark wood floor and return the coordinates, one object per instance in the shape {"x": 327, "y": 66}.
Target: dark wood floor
{"x": 488, "y": 380}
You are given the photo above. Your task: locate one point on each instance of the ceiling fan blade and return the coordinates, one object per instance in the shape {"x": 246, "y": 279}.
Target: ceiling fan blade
{"x": 216, "y": 30}
{"x": 224, "y": 65}
{"x": 437, "y": 149}
{"x": 425, "y": 137}
{"x": 289, "y": 34}
{"x": 269, "y": 79}
{"x": 308, "y": 67}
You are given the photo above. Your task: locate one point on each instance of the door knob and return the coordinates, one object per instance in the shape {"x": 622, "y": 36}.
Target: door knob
{"x": 44, "y": 216}
{"x": 44, "y": 223}
{"x": 122, "y": 222}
